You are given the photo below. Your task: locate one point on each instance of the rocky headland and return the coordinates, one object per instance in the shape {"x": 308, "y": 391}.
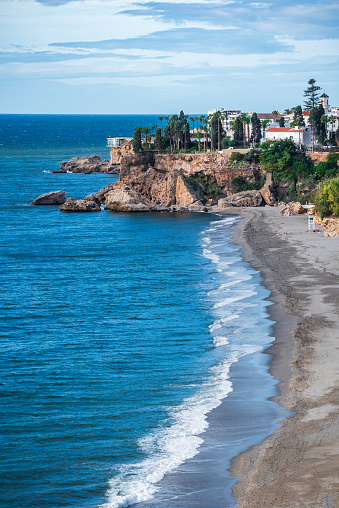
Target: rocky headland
{"x": 92, "y": 164}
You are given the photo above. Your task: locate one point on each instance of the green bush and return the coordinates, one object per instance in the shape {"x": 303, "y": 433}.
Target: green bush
{"x": 237, "y": 157}
{"x": 328, "y": 169}
{"x": 327, "y": 201}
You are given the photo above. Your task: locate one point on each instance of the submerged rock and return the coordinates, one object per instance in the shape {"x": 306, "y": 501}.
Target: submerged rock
{"x": 51, "y": 198}
{"x": 80, "y": 205}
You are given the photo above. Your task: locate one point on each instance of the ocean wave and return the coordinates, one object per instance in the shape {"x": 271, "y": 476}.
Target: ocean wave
{"x": 169, "y": 447}
{"x": 235, "y": 332}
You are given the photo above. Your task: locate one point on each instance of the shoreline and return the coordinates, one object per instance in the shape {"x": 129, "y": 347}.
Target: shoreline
{"x": 298, "y": 465}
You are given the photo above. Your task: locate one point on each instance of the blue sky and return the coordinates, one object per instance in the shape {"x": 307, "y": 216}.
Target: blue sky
{"x": 109, "y": 56}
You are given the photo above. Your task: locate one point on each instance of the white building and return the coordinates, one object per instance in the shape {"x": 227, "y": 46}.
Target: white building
{"x": 229, "y": 115}
{"x": 299, "y": 136}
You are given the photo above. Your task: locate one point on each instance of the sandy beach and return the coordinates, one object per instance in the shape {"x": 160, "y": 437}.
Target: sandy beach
{"x": 299, "y": 464}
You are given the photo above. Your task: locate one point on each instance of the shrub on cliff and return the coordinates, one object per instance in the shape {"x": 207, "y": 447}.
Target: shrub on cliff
{"x": 327, "y": 169}
{"x": 285, "y": 161}
{"x": 327, "y": 201}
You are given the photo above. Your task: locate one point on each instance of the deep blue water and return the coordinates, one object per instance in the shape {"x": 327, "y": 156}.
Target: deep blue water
{"x": 117, "y": 330}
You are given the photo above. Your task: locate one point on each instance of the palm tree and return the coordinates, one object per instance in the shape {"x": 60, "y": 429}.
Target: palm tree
{"x": 167, "y": 119}
{"x": 197, "y": 118}
{"x": 275, "y": 113}
{"x": 193, "y": 118}
{"x": 324, "y": 119}
{"x": 198, "y": 135}
{"x": 264, "y": 124}
{"x": 243, "y": 117}
{"x": 331, "y": 120}
{"x": 210, "y": 118}
{"x": 146, "y": 131}
{"x": 218, "y": 116}
{"x": 161, "y": 119}
{"x": 205, "y": 129}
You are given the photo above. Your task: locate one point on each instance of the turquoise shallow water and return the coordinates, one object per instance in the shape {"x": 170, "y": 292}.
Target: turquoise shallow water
{"x": 117, "y": 330}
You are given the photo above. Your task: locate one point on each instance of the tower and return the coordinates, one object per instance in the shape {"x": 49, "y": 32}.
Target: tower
{"x": 323, "y": 99}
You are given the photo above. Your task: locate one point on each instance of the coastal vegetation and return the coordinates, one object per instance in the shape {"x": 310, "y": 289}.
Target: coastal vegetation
{"x": 327, "y": 199}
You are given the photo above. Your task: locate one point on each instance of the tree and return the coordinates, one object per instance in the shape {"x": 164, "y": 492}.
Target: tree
{"x": 298, "y": 120}
{"x": 318, "y": 128}
{"x": 327, "y": 201}
{"x": 256, "y": 129}
{"x": 146, "y": 131}
{"x": 281, "y": 121}
{"x": 217, "y": 127}
{"x": 243, "y": 118}
{"x": 137, "y": 139}
{"x": 331, "y": 120}
{"x": 161, "y": 119}
{"x": 238, "y": 131}
{"x": 167, "y": 119}
{"x": 264, "y": 124}
{"x": 193, "y": 118}
{"x": 198, "y": 136}
{"x": 284, "y": 160}
{"x": 275, "y": 113}
{"x": 324, "y": 120}
{"x": 312, "y": 95}
{"x": 158, "y": 139}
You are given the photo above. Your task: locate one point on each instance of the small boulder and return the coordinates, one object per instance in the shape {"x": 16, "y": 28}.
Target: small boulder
{"x": 51, "y": 198}
{"x": 79, "y": 205}
{"x": 293, "y": 208}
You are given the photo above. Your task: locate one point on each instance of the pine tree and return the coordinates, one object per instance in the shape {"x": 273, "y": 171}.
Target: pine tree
{"x": 238, "y": 131}
{"x": 312, "y": 95}
{"x": 256, "y": 129}
{"x": 137, "y": 139}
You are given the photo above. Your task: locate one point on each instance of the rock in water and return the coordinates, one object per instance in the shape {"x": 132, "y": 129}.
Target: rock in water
{"x": 80, "y": 205}
{"x": 92, "y": 164}
{"x": 245, "y": 198}
{"x": 51, "y": 198}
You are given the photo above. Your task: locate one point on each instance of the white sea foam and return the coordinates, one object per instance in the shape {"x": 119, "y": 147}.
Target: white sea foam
{"x": 45, "y": 171}
{"x": 179, "y": 439}
{"x": 220, "y": 322}
{"x": 219, "y": 340}
{"x": 168, "y": 447}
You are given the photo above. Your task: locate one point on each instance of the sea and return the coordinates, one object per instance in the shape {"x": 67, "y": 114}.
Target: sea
{"x": 133, "y": 361}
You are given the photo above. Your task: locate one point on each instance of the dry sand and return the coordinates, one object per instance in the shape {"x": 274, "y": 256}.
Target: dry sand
{"x": 298, "y": 466}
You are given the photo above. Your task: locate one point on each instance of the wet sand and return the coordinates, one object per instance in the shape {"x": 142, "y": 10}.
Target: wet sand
{"x": 297, "y": 466}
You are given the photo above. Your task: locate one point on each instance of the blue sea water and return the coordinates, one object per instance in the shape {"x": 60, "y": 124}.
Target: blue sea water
{"x": 118, "y": 331}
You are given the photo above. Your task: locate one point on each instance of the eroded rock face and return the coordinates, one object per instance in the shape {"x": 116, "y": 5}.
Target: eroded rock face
{"x": 51, "y": 198}
{"x": 245, "y": 198}
{"x": 269, "y": 195}
{"x": 330, "y": 225}
{"x": 80, "y": 205}
{"x": 124, "y": 198}
{"x": 92, "y": 164}
{"x": 293, "y": 208}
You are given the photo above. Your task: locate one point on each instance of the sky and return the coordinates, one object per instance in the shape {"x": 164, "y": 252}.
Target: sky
{"x": 115, "y": 57}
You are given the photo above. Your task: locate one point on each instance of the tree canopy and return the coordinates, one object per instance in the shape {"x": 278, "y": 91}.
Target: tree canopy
{"x": 284, "y": 160}
{"x": 312, "y": 95}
